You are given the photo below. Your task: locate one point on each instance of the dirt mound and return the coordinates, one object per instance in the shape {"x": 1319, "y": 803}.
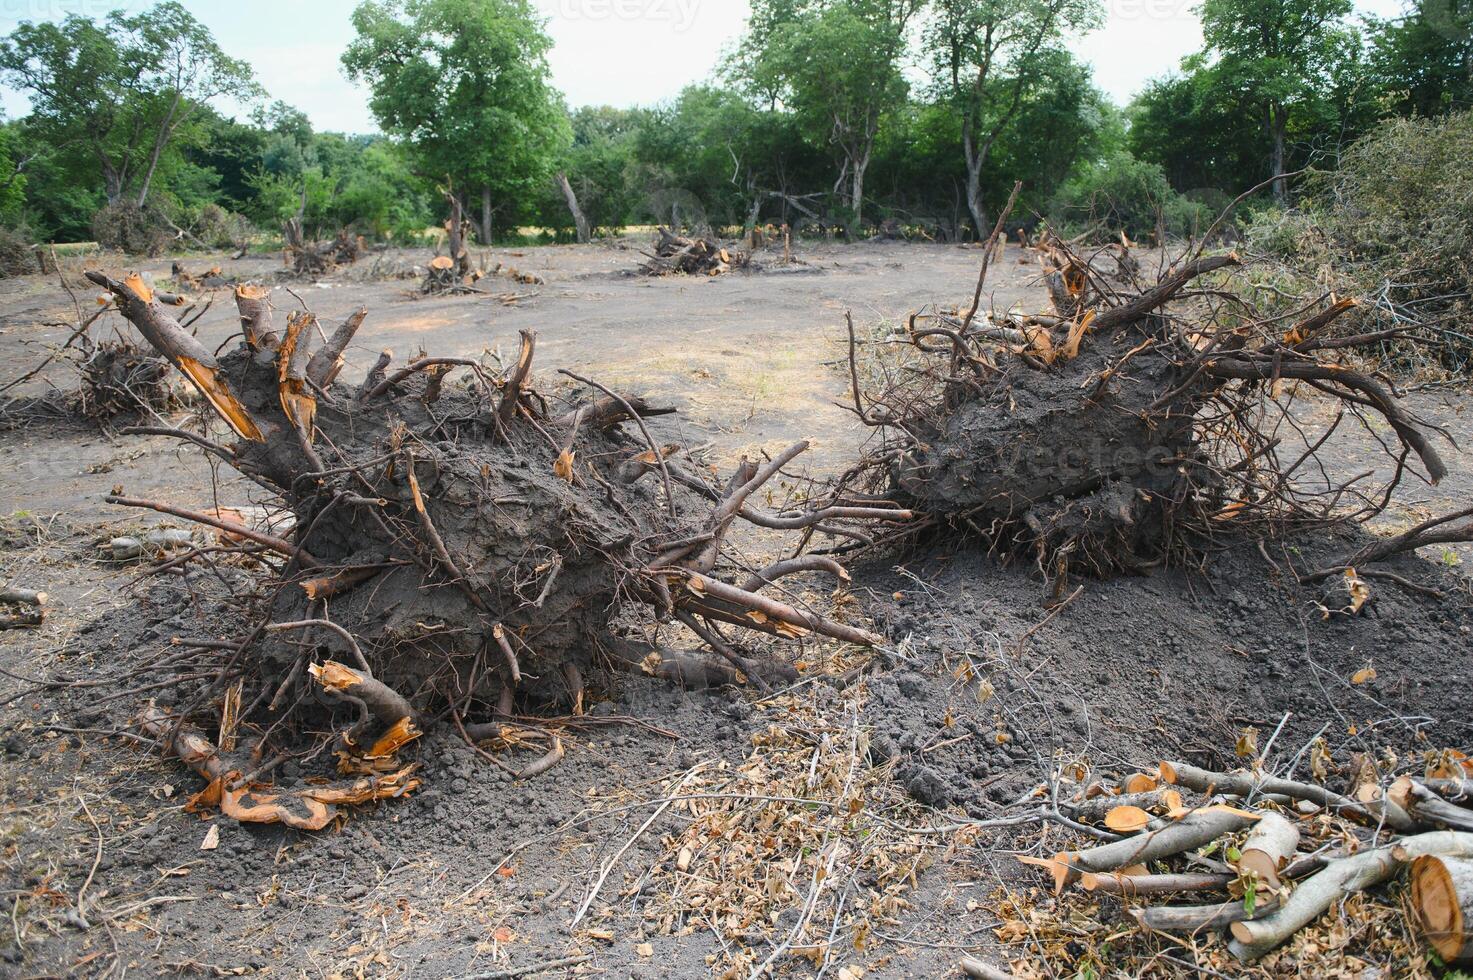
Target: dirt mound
{"x": 1171, "y": 665}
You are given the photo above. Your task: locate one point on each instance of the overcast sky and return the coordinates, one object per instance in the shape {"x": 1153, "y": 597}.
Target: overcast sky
{"x": 616, "y": 52}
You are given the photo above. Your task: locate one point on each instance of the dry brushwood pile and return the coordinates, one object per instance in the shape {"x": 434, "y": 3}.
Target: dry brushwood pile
{"x": 115, "y": 376}
{"x": 312, "y": 259}
{"x": 1260, "y": 860}
{"x": 1130, "y": 424}
{"x": 460, "y": 550}
{"x": 677, "y": 255}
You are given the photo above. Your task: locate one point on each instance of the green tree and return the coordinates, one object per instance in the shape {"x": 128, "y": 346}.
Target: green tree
{"x": 837, "y": 65}
{"x": 1063, "y": 121}
{"x": 1192, "y": 126}
{"x": 13, "y": 165}
{"x": 1277, "y": 56}
{"x": 1422, "y": 62}
{"x": 987, "y": 56}
{"x": 465, "y": 84}
{"x": 121, "y": 91}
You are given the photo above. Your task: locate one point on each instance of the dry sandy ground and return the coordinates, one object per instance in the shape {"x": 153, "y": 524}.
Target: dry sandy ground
{"x": 420, "y": 888}
{"x": 747, "y": 358}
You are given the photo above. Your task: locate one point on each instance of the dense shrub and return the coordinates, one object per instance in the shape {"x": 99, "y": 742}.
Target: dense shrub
{"x": 125, "y": 227}
{"x": 1392, "y": 226}
{"x": 1121, "y": 193}
{"x": 219, "y": 228}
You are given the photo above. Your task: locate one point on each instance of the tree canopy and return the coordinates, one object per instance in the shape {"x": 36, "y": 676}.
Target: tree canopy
{"x": 464, "y": 83}
{"x": 827, "y": 114}
{"x": 120, "y": 91}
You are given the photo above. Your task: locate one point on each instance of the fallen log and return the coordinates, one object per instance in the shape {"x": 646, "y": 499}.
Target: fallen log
{"x": 1117, "y": 883}
{"x": 1427, "y": 807}
{"x": 1194, "y": 830}
{"x": 1313, "y": 896}
{"x": 1163, "y": 799}
{"x": 1192, "y": 919}
{"x": 1269, "y": 847}
{"x": 22, "y": 618}
{"x": 1458, "y": 791}
{"x": 978, "y": 970}
{"x": 23, "y": 597}
{"x": 1442, "y": 898}
{"x": 1245, "y": 784}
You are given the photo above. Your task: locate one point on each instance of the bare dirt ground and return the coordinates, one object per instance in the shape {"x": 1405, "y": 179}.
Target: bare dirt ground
{"x": 102, "y": 871}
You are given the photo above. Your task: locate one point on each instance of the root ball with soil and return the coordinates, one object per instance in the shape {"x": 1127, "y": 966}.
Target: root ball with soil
{"x": 1128, "y": 426}
{"x": 459, "y": 548}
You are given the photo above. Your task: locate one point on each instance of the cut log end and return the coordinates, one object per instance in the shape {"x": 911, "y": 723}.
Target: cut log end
{"x": 1442, "y": 897}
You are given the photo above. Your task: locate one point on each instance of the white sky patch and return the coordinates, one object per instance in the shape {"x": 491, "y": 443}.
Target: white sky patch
{"x": 606, "y": 52}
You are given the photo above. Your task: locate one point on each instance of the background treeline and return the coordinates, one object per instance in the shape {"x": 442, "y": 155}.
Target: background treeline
{"x": 837, "y": 115}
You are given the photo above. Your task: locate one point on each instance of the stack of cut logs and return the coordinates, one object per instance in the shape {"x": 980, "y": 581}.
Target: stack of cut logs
{"x": 1246, "y": 842}
{"x": 677, "y": 255}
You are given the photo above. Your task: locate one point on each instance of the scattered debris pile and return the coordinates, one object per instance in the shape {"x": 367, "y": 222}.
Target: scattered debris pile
{"x": 186, "y": 281}
{"x": 805, "y": 851}
{"x": 461, "y": 548}
{"x": 1193, "y": 854}
{"x": 1099, "y": 434}
{"x": 677, "y": 255}
{"x": 312, "y": 259}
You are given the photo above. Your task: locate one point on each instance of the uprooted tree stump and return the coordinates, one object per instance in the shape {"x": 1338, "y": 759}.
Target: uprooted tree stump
{"x": 312, "y": 259}
{"x": 677, "y": 255}
{"x": 462, "y": 548}
{"x": 118, "y": 377}
{"x": 1098, "y": 434}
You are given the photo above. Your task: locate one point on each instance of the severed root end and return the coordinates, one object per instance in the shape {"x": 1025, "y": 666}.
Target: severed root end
{"x": 312, "y": 808}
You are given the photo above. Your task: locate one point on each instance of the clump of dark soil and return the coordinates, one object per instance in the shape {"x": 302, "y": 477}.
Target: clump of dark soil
{"x": 1173, "y": 665}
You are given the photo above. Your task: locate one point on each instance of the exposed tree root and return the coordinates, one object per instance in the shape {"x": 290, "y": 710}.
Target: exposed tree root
{"x": 1127, "y": 425}
{"x": 478, "y": 548}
